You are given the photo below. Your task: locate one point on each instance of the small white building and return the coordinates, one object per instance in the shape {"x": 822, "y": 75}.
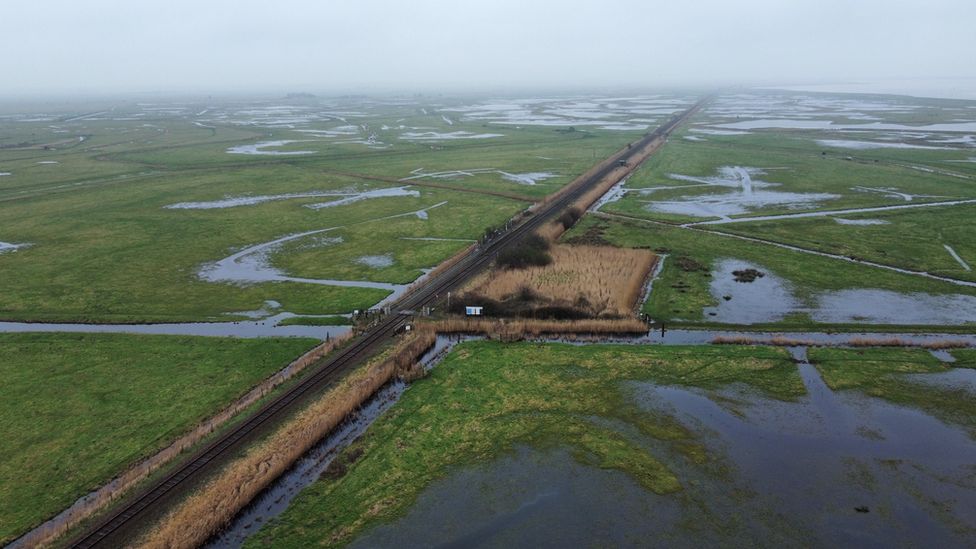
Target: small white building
{"x": 472, "y": 311}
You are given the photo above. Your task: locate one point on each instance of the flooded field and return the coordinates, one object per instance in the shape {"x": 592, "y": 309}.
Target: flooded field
{"x": 748, "y": 194}
{"x": 770, "y": 299}
{"x": 828, "y": 468}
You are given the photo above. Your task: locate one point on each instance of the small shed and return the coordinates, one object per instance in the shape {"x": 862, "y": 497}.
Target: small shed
{"x": 472, "y": 311}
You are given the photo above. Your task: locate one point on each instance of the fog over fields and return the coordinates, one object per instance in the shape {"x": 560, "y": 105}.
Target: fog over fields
{"x": 247, "y": 45}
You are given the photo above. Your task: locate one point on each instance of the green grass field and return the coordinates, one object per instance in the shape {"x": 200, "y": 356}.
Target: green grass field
{"x": 486, "y": 397}
{"x": 911, "y": 239}
{"x": 77, "y": 409}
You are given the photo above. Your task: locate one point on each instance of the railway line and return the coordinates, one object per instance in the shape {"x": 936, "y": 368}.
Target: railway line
{"x": 125, "y": 519}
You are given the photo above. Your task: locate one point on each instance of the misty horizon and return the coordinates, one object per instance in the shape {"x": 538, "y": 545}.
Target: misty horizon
{"x": 107, "y": 47}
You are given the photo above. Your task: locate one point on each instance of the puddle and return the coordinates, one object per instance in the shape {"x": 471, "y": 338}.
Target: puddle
{"x": 792, "y": 124}
{"x": 366, "y": 195}
{"x": 766, "y": 299}
{"x": 813, "y": 462}
{"x": 892, "y": 192}
{"x": 694, "y": 138}
{"x": 439, "y": 136}
{"x": 831, "y": 213}
{"x": 529, "y": 178}
{"x": 866, "y": 145}
{"x": 861, "y": 222}
{"x": 48, "y": 162}
{"x": 11, "y": 247}
{"x": 750, "y": 194}
{"x": 252, "y": 264}
{"x": 770, "y": 298}
{"x": 235, "y": 201}
{"x": 376, "y": 261}
{"x": 872, "y": 306}
{"x": 259, "y": 148}
{"x": 5, "y": 174}
{"x": 266, "y": 327}
{"x": 712, "y": 131}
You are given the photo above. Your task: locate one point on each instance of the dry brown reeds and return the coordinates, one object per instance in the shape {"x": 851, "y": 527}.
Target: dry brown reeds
{"x": 778, "y": 341}
{"x": 515, "y": 330}
{"x": 609, "y": 280}
{"x": 104, "y": 495}
{"x": 898, "y": 342}
{"x": 215, "y": 505}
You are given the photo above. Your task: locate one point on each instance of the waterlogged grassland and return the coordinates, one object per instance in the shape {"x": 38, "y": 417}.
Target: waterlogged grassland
{"x": 104, "y": 255}
{"x": 103, "y": 247}
{"x": 81, "y": 156}
{"x": 77, "y": 409}
{"x": 796, "y": 164}
{"x": 882, "y": 373}
{"x": 679, "y": 294}
{"x": 487, "y": 398}
{"x": 910, "y": 239}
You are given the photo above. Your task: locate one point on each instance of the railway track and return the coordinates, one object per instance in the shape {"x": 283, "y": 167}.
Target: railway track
{"x": 126, "y": 518}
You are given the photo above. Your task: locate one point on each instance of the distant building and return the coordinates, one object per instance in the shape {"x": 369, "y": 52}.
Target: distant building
{"x": 473, "y": 311}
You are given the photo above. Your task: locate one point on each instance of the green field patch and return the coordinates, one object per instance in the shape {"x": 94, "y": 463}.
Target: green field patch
{"x": 78, "y": 409}
{"x": 910, "y": 239}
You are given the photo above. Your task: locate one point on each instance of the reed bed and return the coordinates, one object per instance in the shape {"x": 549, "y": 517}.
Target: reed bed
{"x": 100, "y": 498}
{"x": 897, "y": 342}
{"x": 213, "y": 506}
{"x": 515, "y": 330}
{"x": 609, "y": 280}
{"x": 778, "y": 341}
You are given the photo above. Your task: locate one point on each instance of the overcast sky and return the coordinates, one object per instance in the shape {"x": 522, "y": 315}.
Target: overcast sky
{"x": 120, "y": 46}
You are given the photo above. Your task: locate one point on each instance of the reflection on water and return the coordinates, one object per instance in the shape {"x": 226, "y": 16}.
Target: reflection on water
{"x": 828, "y": 469}
{"x": 770, "y": 299}
{"x": 844, "y": 468}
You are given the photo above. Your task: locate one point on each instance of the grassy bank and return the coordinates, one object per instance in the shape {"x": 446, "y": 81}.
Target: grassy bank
{"x": 77, "y": 409}
{"x": 485, "y": 398}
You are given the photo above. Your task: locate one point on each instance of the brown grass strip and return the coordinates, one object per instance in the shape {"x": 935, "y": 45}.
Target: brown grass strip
{"x": 515, "y": 330}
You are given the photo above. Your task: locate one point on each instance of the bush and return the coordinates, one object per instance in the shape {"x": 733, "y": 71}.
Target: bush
{"x": 569, "y": 218}
{"x": 532, "y": 251}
